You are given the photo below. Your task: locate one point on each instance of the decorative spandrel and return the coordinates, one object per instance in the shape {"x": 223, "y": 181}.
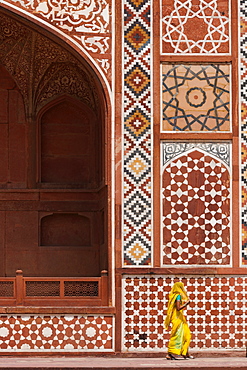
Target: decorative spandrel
{"x": 86, "y": 22}
{"x": 196, "y": 218}
{"x": 195, "y": 27}
{"x": 196, "y": 97}
{"x": 54, "y": 69}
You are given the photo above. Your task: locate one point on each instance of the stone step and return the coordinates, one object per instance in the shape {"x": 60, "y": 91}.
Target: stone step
{"x": 121, "y": 363}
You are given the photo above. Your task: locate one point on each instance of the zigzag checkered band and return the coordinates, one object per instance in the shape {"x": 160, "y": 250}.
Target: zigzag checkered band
{"x": 137, "y": 133}
{"x": 196, "y": 190}
{"x": 243, "y": 79}
{"x": 200, "y": 27}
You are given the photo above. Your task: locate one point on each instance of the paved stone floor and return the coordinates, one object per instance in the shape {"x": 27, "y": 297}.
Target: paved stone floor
{"x": 121, "y": 363}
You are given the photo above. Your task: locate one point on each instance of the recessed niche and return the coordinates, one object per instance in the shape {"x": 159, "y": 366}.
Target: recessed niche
{"x": 65, "y": 230}
{"x": 69, "y": 145}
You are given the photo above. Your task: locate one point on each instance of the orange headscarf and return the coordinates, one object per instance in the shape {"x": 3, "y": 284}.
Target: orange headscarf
{"x": 177, "y": 289}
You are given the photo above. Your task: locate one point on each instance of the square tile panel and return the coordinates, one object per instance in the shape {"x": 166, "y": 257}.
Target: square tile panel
{"x": 198, "y": 27}
{"x": 196, "y": 97}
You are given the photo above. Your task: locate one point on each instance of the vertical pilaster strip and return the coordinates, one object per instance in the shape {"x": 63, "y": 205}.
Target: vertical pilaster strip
{"x": 243, "y": 87}
{"x": 137, "y": 157}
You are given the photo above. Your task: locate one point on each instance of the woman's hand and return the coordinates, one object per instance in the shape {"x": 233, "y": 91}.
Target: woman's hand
{"x": 185, "y": 304}
{"x": 181, "y": 307}
{"x": 188, "y": 302}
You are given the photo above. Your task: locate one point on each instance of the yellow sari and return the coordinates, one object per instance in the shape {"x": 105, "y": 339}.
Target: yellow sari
{"x": 180, "y": 334}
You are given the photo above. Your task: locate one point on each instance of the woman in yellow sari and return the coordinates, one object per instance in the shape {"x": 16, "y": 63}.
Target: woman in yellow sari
{"x": 178, "y": 347}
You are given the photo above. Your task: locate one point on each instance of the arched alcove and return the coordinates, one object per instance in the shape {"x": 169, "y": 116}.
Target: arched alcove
{"x": 55, "y": 147}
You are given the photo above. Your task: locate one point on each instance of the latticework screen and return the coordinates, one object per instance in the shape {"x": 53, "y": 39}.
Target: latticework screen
{"x": 42, "y": 288}
{"x": 81, "y": 288}
{"x": 6, "y": 288}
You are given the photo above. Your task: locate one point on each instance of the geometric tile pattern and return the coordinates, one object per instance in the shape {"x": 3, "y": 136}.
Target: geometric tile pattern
{"x": 196, "y": 97}
{"x": 137, "y": 161}
{"x": 243, "y": 81}
{"x": 216, "y": 315}
{"x": 66, "y": 333}
{"x": 88, "y": 23}
{"x": 196, "y": 210}
{"x": 199, "y": 27}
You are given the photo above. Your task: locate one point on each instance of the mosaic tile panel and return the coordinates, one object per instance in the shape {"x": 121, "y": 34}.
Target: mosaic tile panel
{"x": 243, "y": 87}
{"x": 86, "y": 22}
{"x": 217, "y": 314}
{"x": 196, "y": 204}
{"x": 196, "y": 97}
{"x": 137, "y": 161}
{"x": 195, "y": 26}
{"x": 67, "y": 333}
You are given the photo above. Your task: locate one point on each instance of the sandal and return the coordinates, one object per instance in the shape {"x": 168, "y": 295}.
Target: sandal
{"x": 172, "y": 356}
{"x": 188, "y": 357}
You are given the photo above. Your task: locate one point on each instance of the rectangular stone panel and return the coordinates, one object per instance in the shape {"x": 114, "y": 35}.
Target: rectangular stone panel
{"x": 196, "y": 203}
{"x": 196, "y": 97}
{"x": 56, "y": 333}
{"x": 216, "y": 315}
